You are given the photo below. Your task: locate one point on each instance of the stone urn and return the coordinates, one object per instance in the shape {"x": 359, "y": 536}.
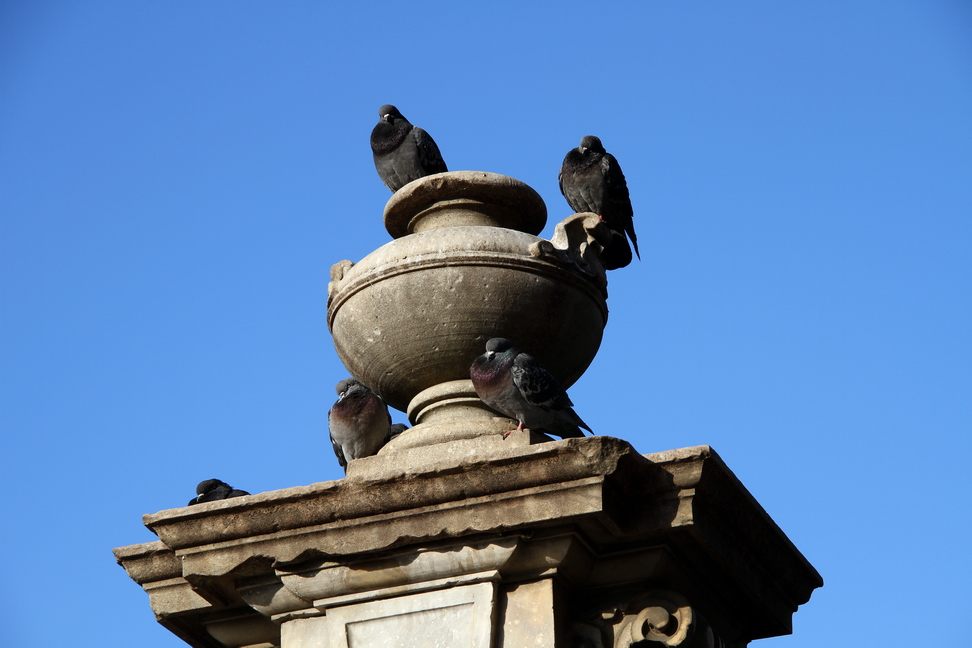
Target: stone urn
{"x": 466, "y": 265}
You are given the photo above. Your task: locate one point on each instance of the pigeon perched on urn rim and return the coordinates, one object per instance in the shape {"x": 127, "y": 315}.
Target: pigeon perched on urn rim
{"x": 591, "y": 181}
{"x": 359, "y": 423}
{"x": 515, "y": 384}
{"x": 211, "y": 490}
{"x": 403, "y": 152}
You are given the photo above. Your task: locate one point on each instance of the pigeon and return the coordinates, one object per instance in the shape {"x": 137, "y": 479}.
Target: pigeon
{"x": 395, "y": 431}
{"x": 515, "y": 384}
{"x": 214, "y": 489}
{"x": 591, "y": 181}
{"x": 359, "y": 422}
{"x": 403, "y": 152}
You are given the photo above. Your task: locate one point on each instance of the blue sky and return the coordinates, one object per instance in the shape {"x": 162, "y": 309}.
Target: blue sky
{"x": 176, "y": 180}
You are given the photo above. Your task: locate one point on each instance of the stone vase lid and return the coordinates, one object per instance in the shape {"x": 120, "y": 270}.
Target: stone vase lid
{"x": 465, "y": 198}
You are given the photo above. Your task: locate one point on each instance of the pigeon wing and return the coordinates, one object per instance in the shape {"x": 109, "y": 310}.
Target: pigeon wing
{"x": 617, "y": 253}
{"x": 580, "y": 184}
{"x": 428, "y": 153}
{"x": 339, "y": 453}
{"x": 538, "y": 387}
{"x": 622, "y": 213}
{"x": 563, "y": 179}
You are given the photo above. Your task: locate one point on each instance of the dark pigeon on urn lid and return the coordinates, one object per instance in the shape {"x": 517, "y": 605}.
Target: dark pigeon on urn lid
{"x": 403, "y": 152}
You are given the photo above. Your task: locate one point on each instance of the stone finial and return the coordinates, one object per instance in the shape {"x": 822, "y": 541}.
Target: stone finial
{"x": 466, "y": 266}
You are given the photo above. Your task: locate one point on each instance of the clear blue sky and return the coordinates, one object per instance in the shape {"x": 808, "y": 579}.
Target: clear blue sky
{"x": 177, "y": 178}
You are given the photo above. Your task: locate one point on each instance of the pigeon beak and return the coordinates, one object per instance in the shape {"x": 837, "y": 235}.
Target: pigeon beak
{"x": 490, "y": 355}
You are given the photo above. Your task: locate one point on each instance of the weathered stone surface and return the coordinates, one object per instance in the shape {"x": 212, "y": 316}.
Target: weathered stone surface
{"x": 528, "y": 616}
{"x": 395, "y": 490}
{"x": 577, "y": 242}
{"x": 324, "y": 579}
{"x": 458, "y": 616}
{"x": 148, "y": 562}
{"x": 306, "y": 633}
{"x": 416, "y": 312}
{"x": 461, "y": 198}
{"x": 449, "y": 411}
{"x": 580, "y": 519}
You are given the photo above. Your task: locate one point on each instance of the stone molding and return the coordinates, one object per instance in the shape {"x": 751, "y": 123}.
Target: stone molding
{"x": 589, "y": 517}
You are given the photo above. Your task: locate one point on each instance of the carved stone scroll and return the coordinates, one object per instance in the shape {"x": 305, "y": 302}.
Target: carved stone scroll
{"x": 650, "y": 618}
{"x": 577, "y": 242}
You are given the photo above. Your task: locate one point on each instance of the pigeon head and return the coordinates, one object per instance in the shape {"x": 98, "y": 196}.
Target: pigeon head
{"x": 344, "y": 385}
{"x": 389, "y": 113}
{"x": 208, "y": 485}
{"x": 498, "y": 345}
{"x": 214, "y": 489}
{"x": 349, "y": 386}
{"x": 591, "y": 143}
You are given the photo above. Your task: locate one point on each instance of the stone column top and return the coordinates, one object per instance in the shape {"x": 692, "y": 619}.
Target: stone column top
{"x": 465, "y": 470}
{"x": 598, "y": 488}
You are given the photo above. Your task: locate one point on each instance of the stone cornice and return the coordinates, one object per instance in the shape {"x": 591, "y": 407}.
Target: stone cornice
{"x": 591, "y": 510}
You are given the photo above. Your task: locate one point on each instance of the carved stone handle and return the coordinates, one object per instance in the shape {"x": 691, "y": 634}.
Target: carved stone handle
{"x": 665, "y": 622}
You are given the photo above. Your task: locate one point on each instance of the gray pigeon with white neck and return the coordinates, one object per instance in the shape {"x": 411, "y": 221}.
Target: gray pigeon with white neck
{"x": 402, "y": 152}
{"x": 358, "y": 422}
{"x": 514, "y": 384}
